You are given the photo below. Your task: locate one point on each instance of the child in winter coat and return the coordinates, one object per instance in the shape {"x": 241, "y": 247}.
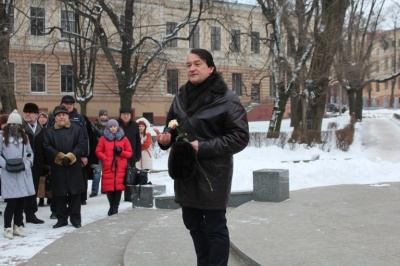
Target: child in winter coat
{"x": 16, "y": 186}
{"x": 113, "y": 149}
{"x": 146, "y": 160}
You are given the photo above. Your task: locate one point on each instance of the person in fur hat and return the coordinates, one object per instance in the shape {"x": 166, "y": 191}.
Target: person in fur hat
{"x": 114, "y": 149}
{"x": 16, "y": 186}
{"x": 146, "y": 160}
{"x": 213, "y": 120}
{"x": 64, "y": 145}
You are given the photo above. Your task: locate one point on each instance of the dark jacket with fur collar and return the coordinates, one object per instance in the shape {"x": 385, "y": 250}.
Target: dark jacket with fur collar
{"x": 217, "y": 119}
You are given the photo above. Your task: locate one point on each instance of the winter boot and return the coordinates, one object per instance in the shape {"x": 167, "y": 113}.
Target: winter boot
{"x": 110, "y": 197}
{"x": 18, "y": 231}
{"x": 8, "y": 233}
{"x": 117, "y": 199}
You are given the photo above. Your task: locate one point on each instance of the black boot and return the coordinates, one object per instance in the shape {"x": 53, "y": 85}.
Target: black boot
{"x": 41, "y": 202}
{"x": 110, "y": 197}
{"x": 117, "y": 199}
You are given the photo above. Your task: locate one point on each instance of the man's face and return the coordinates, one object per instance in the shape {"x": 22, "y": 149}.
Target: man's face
{"x": 61, "y": 119}
{"x": 126, "y": 117}
{"x": 70, "y": 106}
{"x": 103, "y": 117}
{"x": 30, "y": 117}
{"x": 197, "y": 69}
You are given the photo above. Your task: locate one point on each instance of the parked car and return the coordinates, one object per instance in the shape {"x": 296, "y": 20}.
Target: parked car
{"x": 334, "y": 108}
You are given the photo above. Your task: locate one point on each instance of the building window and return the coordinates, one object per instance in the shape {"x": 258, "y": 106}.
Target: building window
{"x": 255, "y": 42}
{"x": 170, "y": 29}
{"x": 122, "y": 22}
{"x": 377, "y": 66}
{"x": 215, "y": 39}
{"x": 67, "y": 78}
{"x": 377, "y": 87}
{"x": 37, "y": 21}
{"x": 38, "y": 77}
{"x": 386, "y": 85}
{"x": 194, "y": 41}
{"x": 237, "y": 83}
{"x": 172, "y": 81}
{"x": 255, "y": 93}
{"x": 67, "y": 22}
{"x": 235, "y": 41}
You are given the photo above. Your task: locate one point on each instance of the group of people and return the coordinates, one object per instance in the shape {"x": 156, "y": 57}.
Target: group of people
{"x": 215, "y": 127}
{"x": 67, "y": 149}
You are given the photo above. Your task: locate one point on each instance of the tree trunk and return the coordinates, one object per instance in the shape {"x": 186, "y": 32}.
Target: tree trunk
{"x": 359, "y": 105}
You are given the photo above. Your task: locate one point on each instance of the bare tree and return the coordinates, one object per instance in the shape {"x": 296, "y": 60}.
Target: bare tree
{"x": 129, "y": 46}
{"x": 353, "y": 64}
{"x": 7, "y": 96}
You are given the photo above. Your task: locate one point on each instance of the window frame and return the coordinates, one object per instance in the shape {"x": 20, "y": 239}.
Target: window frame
{"x": 170, "y": 27}
{"x": 172, "y": 81}
{"x": 66, "y": 23}
{"x": 194, "y": 40}
{"x": 66, "y": 79}
{"x": 37, "y": 22}
{"x": 237, "y": 83}
{"x": 235, "y": 41}
{"x": 215, "y": 38}
{"x": 255, "y": 42}
{"x": 36, "y": 77}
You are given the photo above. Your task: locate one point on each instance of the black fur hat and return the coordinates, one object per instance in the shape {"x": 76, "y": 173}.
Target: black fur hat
{"x": 182, "y": 161}
{"x": 31, "y": 108}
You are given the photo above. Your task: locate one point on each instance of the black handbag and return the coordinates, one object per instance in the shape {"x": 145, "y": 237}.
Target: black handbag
{"x": 131, "y": 176}
{"x": 15, "y": 165}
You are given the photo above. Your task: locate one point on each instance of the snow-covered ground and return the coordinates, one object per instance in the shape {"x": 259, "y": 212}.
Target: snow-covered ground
{"x": 362, "y": 164}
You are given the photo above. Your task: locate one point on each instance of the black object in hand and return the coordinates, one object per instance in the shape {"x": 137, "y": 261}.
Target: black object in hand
{"x": 66, "y": 161}
{"x": 117, "y": 150}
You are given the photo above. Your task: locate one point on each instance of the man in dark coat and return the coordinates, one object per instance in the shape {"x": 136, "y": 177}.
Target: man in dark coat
{"x": 216, "y": 126}
{"x": 131, "y": 131}
{"x": 64, "y": 146}
{"x": 35, "y": 133}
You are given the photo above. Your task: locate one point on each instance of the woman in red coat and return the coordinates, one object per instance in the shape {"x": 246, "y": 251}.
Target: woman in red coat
{"x": 113, "y": 149}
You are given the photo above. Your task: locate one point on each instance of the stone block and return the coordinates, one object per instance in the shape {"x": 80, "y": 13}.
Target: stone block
{"x": 238, "y": 198}
{"x": 143, "y": 196}
{"x": 271, "y": 185}
{"x": 166, "y": 202}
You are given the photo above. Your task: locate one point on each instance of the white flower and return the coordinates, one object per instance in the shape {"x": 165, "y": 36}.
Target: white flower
{"x": 173, "y": 124}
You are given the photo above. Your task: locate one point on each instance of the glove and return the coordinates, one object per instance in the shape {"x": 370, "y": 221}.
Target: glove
{"x": 117, "y": 150}
{"x": 66, "y": 161}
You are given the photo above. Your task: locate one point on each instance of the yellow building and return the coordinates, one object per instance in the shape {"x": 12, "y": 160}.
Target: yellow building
{"x": 42, "y": 63}
{"x": 385, "y": 61}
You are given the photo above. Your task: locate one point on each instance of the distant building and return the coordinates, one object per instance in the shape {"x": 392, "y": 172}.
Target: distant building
{"x": 42, "y": 65}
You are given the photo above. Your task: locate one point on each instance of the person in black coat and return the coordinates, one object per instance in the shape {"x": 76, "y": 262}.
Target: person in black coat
{"x": 131, "y": 131}
{"x": 64, "y": 145}
{"x": 216, "y": 127}
{"x": 35, "y": 133}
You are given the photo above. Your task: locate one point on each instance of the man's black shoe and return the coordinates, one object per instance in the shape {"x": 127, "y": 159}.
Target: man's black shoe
{"x": 59, "y": 224}
{"x": 53, "y": 215}
{"x": 93, "y": 194}
{"x": 34, "y": 220}
{"x": 77, "y": 225}
{"x": 83, "y": 202}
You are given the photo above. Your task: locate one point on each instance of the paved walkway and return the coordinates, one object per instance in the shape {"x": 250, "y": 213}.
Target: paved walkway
{"x": 336, "y": 225}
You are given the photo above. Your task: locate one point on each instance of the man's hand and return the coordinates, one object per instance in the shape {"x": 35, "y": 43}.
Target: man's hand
{"x": 163, "y": 138}
{"x": 195, "y": 145}
{"x": 84, "y": 160}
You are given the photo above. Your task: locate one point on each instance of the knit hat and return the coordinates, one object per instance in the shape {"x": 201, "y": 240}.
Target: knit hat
{"x": 60, "y": 109}
{"x": 68, "y": 99}
{"x": 103, "y": 112}
{"x": 14, "y": 118}
{"x": 31, "y": 108}
{"x": 112, "y": 122}
{"x": 43, "y": 114}
{"x": 3, "y": 119}
{"x": 125, "y": 110}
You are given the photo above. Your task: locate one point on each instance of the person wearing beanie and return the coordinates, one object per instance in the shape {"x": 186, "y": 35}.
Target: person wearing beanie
{"x": 42, "y": 118}
{"x": 98, "y": 127}
{"x": 131, "y": 130}
{"x": 35, "y": 133}
{"x": 114, "y": 150}
{"x": 16, "y": 186}
{"x": 3, "y": 124}
{"x": 146, "y": 160}
{"x": 64, "y": 145}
